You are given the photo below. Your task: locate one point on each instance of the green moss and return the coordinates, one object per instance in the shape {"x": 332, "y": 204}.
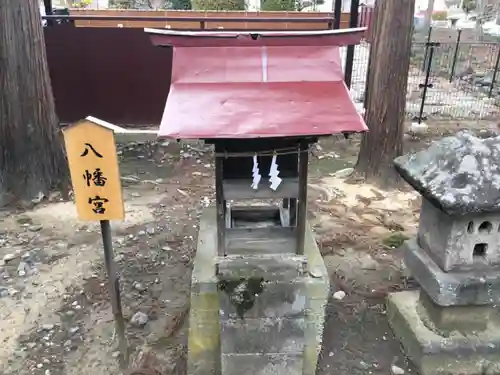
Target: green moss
{"x": 219, "y": 5}
{"x": 395, "y": 240}
{"x": 278, "y": 5}
{"x": 242, "y": 292}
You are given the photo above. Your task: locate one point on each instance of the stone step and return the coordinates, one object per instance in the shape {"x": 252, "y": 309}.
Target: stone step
{"x": 262, "y": 364}
{"x": 265, "y": 335}
{"x": 283, "y": 299}
{"x": 266, "y": 266}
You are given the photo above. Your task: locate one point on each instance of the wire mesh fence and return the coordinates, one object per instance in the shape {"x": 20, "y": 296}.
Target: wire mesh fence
{"x": 463, "y": 80}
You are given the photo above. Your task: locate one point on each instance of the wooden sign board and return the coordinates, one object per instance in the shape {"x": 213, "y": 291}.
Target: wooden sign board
{"x": 95, "y": 175}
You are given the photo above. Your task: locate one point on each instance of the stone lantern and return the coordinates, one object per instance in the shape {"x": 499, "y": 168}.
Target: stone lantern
{"x": 452, "y": 325}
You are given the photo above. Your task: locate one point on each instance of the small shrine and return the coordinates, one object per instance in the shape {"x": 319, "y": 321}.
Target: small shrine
{"x": 452, "y": 325}
{"x": 259, "y": 284}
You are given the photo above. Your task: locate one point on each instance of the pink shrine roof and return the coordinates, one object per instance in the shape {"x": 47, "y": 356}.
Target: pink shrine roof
{"x": 257, "y": 84}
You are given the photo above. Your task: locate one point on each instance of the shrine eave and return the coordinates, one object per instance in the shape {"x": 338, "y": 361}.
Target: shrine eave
{"x": 259, "y": 110}
{"x": 340, "y": 37}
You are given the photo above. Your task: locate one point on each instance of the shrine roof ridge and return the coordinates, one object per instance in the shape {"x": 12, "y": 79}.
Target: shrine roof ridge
{"x": 338, "y": 37}
{"x": 459, "y": 174}
{"x": 233, "y": 34}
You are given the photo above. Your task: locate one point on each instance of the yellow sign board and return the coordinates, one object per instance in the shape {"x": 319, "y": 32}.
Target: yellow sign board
{"x": 95, "y": 175}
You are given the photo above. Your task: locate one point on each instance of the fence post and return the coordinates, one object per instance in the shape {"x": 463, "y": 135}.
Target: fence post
{"x": 349, "y": 60}
{"x": 337, "y": 14}
{"x": 427, "y": 47}
{"x": 494, "y": 73}
{"x": 455, "y": 55}
{"x": 426, "y": 85}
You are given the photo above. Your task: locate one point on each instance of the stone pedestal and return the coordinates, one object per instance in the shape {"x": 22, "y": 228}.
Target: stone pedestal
{"x": 255, "y": 314}
{"x": 443, "y": 353}
{"x": 449, "y": 327}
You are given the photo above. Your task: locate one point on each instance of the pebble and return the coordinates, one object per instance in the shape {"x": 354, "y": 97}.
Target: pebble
{"x": 139, "y": 319}
{"x": 395, "y": 370}
{"x": 35, "y": 228}
{"x": 339, "y": 295}
{"x": 74, "y": 330}
{"x": 139, "y": 287}
{"x": 39, "y": 365}
{"x": 22, "y": 268}
{"x": 316, "y": 273}
{"x": 26, "y": 256}
{"x": 48, "y": 327}
{"x": 150, "y": 230}
{"x": 363, "y": 365}
{"x": 368, "y": 263}
{"x": 344, "y": 173}
{"x": 9, "y": 257}
{"x": 47, "y": 372}
{"x": 4, "y": 292}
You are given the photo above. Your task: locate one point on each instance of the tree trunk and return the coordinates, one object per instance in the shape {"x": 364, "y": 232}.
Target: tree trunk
{"x": 373, "y": 46}
{"x": 386, "y": 94}
{"x": 32, "y": 158}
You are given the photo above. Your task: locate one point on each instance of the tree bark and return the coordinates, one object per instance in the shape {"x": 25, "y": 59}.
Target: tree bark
{"x": 32, "y": 157}
{"x": 373, "y": 46}
{"x": 386, "y": 93}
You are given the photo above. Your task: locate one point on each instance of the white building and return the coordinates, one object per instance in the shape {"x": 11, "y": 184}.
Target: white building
{"x": 439, "y": 6}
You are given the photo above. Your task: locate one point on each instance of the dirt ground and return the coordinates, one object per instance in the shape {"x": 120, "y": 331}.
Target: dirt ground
{"x": 55, "y": 316}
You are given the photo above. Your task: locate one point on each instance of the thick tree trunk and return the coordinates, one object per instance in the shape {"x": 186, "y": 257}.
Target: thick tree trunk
{"x": 373, "y": 47}
{"x": 386, "y": 93}
{"x": 32, "y": 158}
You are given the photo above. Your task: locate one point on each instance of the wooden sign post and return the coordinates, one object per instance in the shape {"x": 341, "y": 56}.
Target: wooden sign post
{"x": 95, "y": 176}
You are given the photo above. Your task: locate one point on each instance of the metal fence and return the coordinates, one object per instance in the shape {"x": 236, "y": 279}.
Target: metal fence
{"x": 454, "y": 80}
{"x": 461, "y": 82}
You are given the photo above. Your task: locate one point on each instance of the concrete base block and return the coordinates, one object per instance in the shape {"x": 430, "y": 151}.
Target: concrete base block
{"x": 433, "y": 354}
{"x": 267, "y": 335}
{"x": 204, "y": 327}
{"x": 297, "y": 304}
{"x": 466, "y": 319}
{"x": 266, "y": 266}
{"x": 263, "y": 364}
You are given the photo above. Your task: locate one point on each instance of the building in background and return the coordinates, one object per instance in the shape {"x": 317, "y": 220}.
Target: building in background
{"x": 95, "y": 4}
{"x": 439, "y": 6}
